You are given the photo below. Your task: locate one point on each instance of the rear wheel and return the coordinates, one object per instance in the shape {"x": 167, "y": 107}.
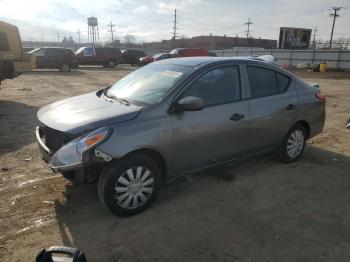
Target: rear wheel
{"x": 111, "y": 64}
{"x": 293, "y": 144}
{"x": 130, "y": 185}
{"x": 65, "y": 68}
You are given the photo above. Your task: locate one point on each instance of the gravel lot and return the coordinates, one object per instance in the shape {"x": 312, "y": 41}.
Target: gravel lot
{"x": 254, "y": 210}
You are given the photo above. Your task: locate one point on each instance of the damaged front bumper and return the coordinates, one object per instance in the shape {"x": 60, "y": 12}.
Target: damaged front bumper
{"x": 75, "y": 154}
{"x": 64, "y": 159}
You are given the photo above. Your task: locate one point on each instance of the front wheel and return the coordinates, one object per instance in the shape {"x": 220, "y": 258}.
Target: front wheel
{"x": 65, "y": 68}
{"x": 130, "y": 185}
{"x": 293, "y": 144}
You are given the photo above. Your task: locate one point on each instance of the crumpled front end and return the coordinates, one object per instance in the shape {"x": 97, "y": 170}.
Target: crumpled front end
{"x": 65, "y": 152}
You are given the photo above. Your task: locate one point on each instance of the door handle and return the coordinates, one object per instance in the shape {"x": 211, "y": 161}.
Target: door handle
{"x": 236, "y": 117}
{"x": 291, "y": 107}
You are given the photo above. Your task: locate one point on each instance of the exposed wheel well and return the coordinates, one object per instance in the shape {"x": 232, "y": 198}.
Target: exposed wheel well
{"x": 307, "y": 127}
{"x": 155, "y": 155}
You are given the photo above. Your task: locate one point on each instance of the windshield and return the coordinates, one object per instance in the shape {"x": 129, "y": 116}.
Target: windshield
{"x": 148, "y": 84}
{"x": 80, "y": 50}
{"x": 34, "y": 51}
{"x": 157, "y": 56}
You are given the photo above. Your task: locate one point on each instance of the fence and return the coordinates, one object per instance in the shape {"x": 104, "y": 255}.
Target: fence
{"x": 335, "y": 59}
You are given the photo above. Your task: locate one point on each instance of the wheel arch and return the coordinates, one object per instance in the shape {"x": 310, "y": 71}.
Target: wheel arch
{"x": 156, "y": 156}
{"x": 307, "y": 127}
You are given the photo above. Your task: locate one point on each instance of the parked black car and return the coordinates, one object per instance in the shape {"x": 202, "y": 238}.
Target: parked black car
{"x": 131, "y": 56}
{"x": 55, "y": 58}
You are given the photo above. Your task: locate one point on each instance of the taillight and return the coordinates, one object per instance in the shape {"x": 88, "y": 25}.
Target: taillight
{"x": 320, "y": 97}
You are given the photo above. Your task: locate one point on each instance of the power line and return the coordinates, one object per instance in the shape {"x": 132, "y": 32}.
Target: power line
{"x": 248, "y": 30}
{"x": 174, "y": 29}
{"x": 335, "y": 15}
{"x": 111, "y": 30}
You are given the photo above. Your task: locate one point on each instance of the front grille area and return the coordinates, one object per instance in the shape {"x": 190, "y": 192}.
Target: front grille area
{"x": 55, "y": 139}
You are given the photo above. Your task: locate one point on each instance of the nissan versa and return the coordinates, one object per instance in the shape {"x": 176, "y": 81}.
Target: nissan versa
{"x": 173, "y": 117}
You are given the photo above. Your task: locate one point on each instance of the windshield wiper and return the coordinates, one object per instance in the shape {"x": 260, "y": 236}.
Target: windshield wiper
{"x": 119, "y": 99}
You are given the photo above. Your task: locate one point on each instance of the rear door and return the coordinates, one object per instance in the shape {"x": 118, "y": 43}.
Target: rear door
{"x": 273, "y": 106}
{"x": 54, "y": 57}
{"x": 100, "y": 56}
{"x": 217, "y": 133}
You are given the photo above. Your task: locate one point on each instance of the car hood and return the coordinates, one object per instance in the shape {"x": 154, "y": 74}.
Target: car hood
{"x": 85, "y": 112}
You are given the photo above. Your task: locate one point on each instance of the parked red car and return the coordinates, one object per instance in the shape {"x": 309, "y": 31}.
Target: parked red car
{"x": 185, "y": 52}
{"x": 149, "y": 59}
{"x": 146, "y": 60}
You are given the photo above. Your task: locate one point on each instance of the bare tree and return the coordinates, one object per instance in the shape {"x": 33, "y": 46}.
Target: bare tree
{"x": 129, "y": 39}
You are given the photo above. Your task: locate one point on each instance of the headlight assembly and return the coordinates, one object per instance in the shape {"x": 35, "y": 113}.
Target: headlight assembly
{"x": 72, "y": 154}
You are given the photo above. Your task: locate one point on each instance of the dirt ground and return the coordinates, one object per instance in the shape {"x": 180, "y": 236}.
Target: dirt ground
{"x": 254, "y": 210}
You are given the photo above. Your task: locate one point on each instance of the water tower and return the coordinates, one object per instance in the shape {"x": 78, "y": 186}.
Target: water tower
{"x": 93, "y": 34}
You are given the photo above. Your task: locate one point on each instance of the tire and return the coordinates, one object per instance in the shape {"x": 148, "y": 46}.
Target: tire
{"x": 117, "y": 175}
{"x": 65, "y": 67}
{"x": 293, "y": 144}
{"x": 111, "y": 64}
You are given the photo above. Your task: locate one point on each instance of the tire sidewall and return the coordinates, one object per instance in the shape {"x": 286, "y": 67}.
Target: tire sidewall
{"x": 284, "y": 152}
{"x": 110, "y": 176}
{"x": 111, "y": 64}
{"x": 62, "y": 66}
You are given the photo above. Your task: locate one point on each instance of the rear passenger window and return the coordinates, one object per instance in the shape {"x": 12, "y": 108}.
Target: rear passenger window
{"x": 283, "y": 82}
{"x": 262, "y": 81}
{"x": 52, "y": 52}
{"x": 219, "y": 86}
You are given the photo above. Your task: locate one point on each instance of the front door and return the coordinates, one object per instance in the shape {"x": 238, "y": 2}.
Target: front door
{"x": 41, "y": 58}
{"x": 217, "y": 133}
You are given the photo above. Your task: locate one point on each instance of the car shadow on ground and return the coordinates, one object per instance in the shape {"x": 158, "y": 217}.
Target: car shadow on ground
{"x": 12, "y": 135}
{"x": 54, "y": 72}
{"x": 257, "y": 208}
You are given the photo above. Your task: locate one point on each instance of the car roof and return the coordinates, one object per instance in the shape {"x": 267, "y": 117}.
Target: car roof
{"x": 52, "y": 48}
{"x": 203, "y": 60}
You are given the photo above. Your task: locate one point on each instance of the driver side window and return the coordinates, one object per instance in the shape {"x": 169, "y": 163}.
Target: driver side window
{"x": 218, "y": 86}
{"x": 89, "y": 51}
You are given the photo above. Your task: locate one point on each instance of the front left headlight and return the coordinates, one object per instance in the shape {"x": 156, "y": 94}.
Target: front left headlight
{"x": 92, "y": 139}
{"x": 72, "y": 154}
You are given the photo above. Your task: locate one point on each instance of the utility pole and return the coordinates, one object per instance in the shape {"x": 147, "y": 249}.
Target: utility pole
{"x": 111, "y": 30}
{"x": 78, "y": 35}
{"x": 58, "y": 36}
{"x": 248, "y": 30}
{"x": 335, "y": 15}
{"x": 314, "y": 38}
{"x": 314, "y": 45}
{"x": 174, "y": 29}
{"x": 42, "y": 36}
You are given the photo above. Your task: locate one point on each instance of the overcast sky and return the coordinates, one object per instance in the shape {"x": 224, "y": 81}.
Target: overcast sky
{"x": 152, "y": 20}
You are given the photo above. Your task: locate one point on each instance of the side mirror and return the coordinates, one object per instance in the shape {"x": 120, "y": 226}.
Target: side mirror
{"x": 189, "y": 103}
